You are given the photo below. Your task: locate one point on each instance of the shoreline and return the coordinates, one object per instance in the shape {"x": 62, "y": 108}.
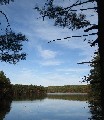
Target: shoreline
{"x": 67, "y": 93}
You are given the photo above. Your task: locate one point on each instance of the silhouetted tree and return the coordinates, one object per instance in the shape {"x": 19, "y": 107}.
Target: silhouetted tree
{"x": 5, "y": 86}
{"x": 95, "y": 91}
{"x": 11, "y": 43}
{"x": 67, "y": 17}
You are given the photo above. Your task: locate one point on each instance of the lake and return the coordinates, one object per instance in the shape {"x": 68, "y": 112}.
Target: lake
{"x": 51, "y": 107}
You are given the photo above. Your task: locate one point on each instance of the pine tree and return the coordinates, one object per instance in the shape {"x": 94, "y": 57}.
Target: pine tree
{"x": 11, "y": 43}
{"x": 95, "y": 91}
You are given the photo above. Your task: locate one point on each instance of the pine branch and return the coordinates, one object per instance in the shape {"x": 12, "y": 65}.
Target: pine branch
{"x": 88, "y": 62}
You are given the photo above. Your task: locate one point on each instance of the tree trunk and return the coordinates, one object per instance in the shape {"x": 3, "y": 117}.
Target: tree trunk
{"x": 101, "y": 48}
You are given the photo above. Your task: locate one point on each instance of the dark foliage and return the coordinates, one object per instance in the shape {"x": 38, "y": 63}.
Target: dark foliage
{"x": 5, "y": 106}
{"x": 68, "y": 17}
{"x": 28, "y": 90}
{"x": 4, "y": 2}
{"x": 96, "y": 78}
{"x": 63, "y": 16}
{"x": 11, "y": 43}
{"x": 10, "y": 47}
{"x": 95, "y": 91}
{"x": 5, "y": 86}
{"x": 68, "y": 89}
{"x": 7, "y": 90}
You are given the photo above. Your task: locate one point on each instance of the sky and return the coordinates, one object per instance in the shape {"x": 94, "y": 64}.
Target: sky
{"x": 48, "y": 64}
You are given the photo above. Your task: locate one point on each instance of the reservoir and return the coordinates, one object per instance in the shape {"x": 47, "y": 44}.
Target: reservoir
{"x": 50, "y": 107}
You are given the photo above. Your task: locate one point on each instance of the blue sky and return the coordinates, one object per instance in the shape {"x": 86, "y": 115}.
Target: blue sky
{"x": 52, "y": 63}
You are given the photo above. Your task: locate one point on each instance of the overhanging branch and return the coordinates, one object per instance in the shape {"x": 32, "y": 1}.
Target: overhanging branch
{"x": 76, "y": 4}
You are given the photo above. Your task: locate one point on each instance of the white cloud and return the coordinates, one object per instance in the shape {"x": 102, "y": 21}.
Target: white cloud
{"x": 49, "y": 57}
{"x": 72, "y": 69}
{"x": 51, "y": 63}
{"x": 46, "y": 54}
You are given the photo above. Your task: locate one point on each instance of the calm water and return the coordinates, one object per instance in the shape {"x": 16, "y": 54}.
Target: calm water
{"x": 53, "y": 107}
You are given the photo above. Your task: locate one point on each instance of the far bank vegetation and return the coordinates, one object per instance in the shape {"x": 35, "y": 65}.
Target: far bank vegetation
{"x": 69, "y": 89}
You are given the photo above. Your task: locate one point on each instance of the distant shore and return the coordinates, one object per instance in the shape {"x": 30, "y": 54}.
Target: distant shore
{"x": 67, "y": 93}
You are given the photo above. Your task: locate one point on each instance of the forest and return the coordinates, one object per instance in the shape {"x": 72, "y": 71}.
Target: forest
{"x": 68, "y": 89}
{"x": 7, "y": 89}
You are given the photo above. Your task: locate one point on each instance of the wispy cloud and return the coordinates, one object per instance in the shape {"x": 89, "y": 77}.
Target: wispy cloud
{"x": 51, "y": 63}
{"x": 72, "y": 69}
{"x": 46, "y": 54}
{"x": 48, "y": 57}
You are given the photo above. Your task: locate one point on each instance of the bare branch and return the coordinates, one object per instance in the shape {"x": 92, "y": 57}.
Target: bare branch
{"x": 76, "y": 4}
{"x": 93, "y": 27}
{"x": 86, "y": 9}
{"x": 88, "y": 62}
{"x": 6, "y": 19}
{"x": 92, "y": 44}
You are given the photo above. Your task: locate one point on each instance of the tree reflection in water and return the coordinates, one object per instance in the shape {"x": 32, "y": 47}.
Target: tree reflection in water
{"x": 30, "y": 97}
{"x": 5, "y": 106}
{"x": 94, "y": 105}
{"x": 95, "y": 109}
{"x": 74, "y": 97}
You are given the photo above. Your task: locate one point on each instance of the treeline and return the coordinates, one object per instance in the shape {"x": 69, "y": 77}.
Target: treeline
{"x": 5, "y": 86}
{"x": 8, "y": 90}
{"x": 68, "y": 89}
{"x": 27, "y": 90}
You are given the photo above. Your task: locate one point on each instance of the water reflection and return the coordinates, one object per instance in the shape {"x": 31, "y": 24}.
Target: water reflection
{"x": 29, "y": 97}
{"x": 64, "y": 107}
{"x": 5, "y": 106}
{"x": 74, "y": 97}
{"x": 95, "y": 109}
{"x": 42, "y": 104}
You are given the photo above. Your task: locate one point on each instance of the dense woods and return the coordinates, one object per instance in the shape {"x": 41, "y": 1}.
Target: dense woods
{"x": 27, "y": 90}
{"x": 5, "y": 85}
{"x": 68, "y": 89}
{"x": 95, "y": 90}
{"x": 8, "y": 90}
